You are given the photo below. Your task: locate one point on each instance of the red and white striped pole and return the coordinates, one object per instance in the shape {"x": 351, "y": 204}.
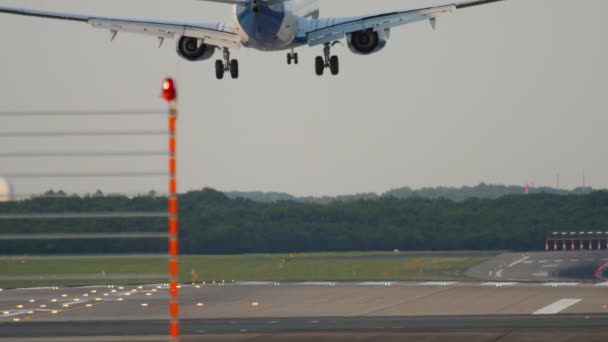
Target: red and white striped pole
{"x": 582, "y": 245}
{"x": 170, "y": 95}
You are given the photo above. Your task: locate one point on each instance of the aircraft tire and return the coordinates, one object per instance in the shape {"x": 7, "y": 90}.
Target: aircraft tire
{"x": 234, "y": 69}
{"x": 219, "y": 69}
{"x": 334, "y": 65}
{"x": 319, "y": 66}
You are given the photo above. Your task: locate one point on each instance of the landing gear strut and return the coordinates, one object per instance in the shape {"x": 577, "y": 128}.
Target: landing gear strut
{"x": 292, "y": 57}
{"x": 328, "y": 61}
{"x": 225, "y": 65}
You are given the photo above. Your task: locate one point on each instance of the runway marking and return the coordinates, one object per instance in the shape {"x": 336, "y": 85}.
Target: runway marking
{"x": 439, "y": 283}
{"x": 602, "y": 284}
{"x": 255, "y": 283}
{"x": 559, "y": 260}
{"x": 498, "y": 284}
{"x": 552, "y": 265}
{"x": 557, "y": 307}
{"x": 316, "y": 283}
{"x": 543, "y": 261}
{"x": 376, "y": 283}
{"x": 519, "y": 261}
{"x": 560, "y": 284}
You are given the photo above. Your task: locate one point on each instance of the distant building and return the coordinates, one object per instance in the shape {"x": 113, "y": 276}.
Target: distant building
{"x": 6, "y": 190}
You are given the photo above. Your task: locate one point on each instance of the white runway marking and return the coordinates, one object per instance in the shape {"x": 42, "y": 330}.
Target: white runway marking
{"x": 543, "y": 261}
{"x": 316, "y": 283}
{"x": 376, "y": 283}
{"x": 519, "y": 261}
{"x": 552, "y": 265}
{"x": 560, "y": 284}
{"x": 602, "y": 284}
{"x": 498, "y": 284}
{"x": 438, "y": 283}
{"x": 557, "y": 307}
{"x": 559, "y": 260}
{"x": 255, "y": 283}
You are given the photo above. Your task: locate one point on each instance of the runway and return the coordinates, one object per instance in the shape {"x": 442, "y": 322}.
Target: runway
{"x": 542, "y": 266}
{"x": 308, "y": 307}
{"x": 501, "y": 307}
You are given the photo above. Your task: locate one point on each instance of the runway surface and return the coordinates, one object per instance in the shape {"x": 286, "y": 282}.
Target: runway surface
{"x": 507, "y": 306}
{"x": 542, "y": 266}
{"x": 268, "y": 307}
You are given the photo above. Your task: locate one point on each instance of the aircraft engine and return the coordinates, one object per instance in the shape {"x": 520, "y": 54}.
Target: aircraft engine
{"x": 368, "y": 41}
{"x": 193, "y": 50}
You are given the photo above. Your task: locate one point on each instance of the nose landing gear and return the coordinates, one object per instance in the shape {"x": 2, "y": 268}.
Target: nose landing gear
{"x": 328, "y": 61}
{"x": 226, "y": 65}
{"x": 292, "y": 57}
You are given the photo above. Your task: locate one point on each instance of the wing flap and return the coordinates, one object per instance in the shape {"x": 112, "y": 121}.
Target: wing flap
{"x": 323, "y": 31}
{"x": 338, "y": 28}
{"x": 218, "y": 34}
{"x": 214, "y": 34}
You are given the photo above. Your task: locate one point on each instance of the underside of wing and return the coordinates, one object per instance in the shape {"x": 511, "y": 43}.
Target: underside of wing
{"x": 217, "y": 34}
{"x": 327, "y": 30}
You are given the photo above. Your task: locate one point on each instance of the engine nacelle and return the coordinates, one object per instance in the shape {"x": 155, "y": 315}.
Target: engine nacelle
{"x": 191, "y": 49}
{"x": 368, "y": 41}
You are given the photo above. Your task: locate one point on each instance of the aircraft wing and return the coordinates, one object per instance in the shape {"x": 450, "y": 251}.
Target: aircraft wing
{"x": 327, "y": 30}
{"x": 217, "y": 34}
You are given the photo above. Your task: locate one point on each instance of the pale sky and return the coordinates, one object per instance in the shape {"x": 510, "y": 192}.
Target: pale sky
{"x": 508, "y": 93}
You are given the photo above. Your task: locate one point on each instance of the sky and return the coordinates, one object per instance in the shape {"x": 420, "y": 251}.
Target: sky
{"x": 508, "y": 93}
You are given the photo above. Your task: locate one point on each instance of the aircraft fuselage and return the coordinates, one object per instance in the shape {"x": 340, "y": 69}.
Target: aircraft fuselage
{"x": 274, "y": 27}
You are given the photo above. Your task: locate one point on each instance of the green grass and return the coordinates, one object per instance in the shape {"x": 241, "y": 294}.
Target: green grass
{"x": 253, "y": 267}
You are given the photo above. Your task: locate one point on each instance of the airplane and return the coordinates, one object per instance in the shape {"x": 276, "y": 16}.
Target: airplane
{"x": 267, "y": 25}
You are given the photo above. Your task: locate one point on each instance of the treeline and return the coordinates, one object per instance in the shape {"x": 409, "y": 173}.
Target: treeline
{"x": 211, "y": 222}
{"x": 452, "y": 193}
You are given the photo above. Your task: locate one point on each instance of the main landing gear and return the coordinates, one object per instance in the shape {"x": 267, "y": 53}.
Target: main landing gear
{"x": 328, "y": 61}
{"x": 292, "y": 57}
{"x": 225, "y": 65}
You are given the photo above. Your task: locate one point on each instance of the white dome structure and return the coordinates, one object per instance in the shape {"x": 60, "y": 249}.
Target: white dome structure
{"x": 6, "y": 190}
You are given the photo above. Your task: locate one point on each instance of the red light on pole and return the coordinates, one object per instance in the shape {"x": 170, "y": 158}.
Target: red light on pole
{"x": 169, "y": 93}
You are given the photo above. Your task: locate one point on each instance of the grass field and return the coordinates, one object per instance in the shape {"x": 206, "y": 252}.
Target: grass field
{"x": 251, "y": 267}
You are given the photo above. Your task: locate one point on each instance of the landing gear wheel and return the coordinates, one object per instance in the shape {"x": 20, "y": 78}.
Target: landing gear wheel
{"x": 319, "y": 66}
{"x": 219, "y": 69}
{"x": 288, "y": 59}
{"x": 234, "y": 68}
{"x": 334, "y": 65}
{"x": 295, "y": 58}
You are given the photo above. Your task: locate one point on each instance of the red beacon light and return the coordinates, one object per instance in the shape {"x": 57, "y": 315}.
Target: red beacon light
{"x": 169, "y": 93}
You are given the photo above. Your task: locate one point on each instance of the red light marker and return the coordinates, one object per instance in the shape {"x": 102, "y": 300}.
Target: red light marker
{"x": 169, "y": 93}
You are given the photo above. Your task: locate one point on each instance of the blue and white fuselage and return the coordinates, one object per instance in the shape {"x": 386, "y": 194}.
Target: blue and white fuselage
{"x": 274, "y": 27}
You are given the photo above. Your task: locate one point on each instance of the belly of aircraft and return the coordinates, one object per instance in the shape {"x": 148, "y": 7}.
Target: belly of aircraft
{"x": 270, "y": 29}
